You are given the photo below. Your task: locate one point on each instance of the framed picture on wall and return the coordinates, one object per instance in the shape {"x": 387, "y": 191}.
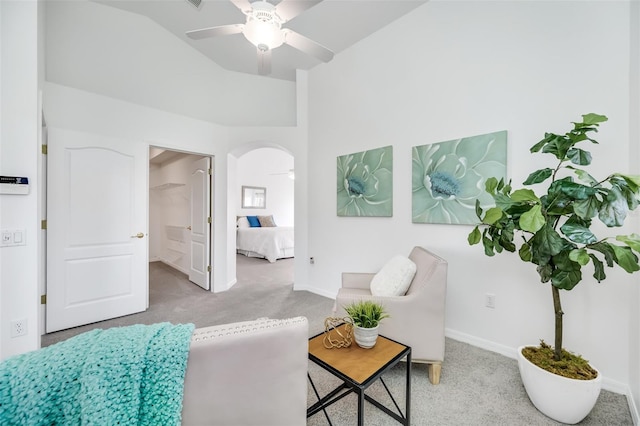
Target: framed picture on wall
{"x": 365, "y": 183}
{"x": 448, "y": 177}
{"x": 254, "y": 197}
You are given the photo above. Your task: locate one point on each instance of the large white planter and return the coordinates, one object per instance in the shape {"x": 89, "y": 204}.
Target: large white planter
{"x": 560, "y": 398}
{"x": 365, "y": 337}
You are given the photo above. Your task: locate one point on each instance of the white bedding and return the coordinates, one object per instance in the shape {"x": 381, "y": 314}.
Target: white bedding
{"x": 272, "y": 243}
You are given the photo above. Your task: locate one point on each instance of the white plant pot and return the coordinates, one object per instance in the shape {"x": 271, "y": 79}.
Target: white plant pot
{"x": 365, "y": 337}
{"x": 560, "y": 398}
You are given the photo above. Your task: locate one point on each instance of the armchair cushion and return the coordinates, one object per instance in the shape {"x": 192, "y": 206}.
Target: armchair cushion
{"x": 394, "y": 278}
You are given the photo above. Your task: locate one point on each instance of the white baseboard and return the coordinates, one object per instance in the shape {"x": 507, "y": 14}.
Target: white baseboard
{"x": 174, "y": 266}
{"x": 481, "y": 343}
{"x": 314, "y": 290}
{"x": 635, "y": 415}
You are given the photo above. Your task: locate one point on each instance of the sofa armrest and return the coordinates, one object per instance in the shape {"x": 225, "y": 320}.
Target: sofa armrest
{"x": 248, "y": 373}
{"x": 360, "y": 280}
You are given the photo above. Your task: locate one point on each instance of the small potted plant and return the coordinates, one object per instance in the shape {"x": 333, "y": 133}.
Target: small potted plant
{"x": 553, "y": 231}
{"x": 366, "y": 316}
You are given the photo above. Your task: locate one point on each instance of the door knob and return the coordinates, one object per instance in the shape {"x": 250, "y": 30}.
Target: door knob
{"x": 189, "y": 227}
{"x": 138, "y": 235}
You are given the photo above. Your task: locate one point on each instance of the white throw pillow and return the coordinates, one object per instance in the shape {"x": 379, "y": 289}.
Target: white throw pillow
{"x": 394, "y": 278}
{"x": 243, "y": 222}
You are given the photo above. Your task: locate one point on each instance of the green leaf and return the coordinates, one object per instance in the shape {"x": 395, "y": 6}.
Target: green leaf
{"x": 533, "y": 220}
{"x": 599, "y": 268}
{"x": 578, "y": 234}
{"x": 588, "y": 208}
{"x": 613, "y": 210}
{"x": 575, "y": 190}
{"x": 579, "y": 156}
{"x": 632, "y": 179}
{"x": 488, "y": 246}
{"x": 525, "y": 253}
{"x": 604, "y": 248}
{"x": 490, "y": 185}
{"x": 566, "y": 280}
{"x": 492, "y": 215}
{"x": 591, "y": 119}
{"x": 543, "y": 142}
{"x": 545, "y": 272}
{"x": 503, "y": 201}
{"x": 580, "y": 256}
{"x": 632, "y": 241}
{"x": 625, "y": 258}
{"x": 558, "y": 146}
{"x": 628, "y": 189}
{"x": 524, "y": 195}
{"x": 546, "y": 242}
{"x": 478, "y": 209}
{"x": 474, "y": 237}
{"x": 584, "y": 176}
{"x": 538, "y": 176}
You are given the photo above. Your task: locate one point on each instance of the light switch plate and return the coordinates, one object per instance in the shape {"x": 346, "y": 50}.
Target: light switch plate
{"x": 13, "y": 237}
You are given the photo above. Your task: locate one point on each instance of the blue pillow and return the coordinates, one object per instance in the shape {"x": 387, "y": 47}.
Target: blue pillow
{"x": 253, "y": 221}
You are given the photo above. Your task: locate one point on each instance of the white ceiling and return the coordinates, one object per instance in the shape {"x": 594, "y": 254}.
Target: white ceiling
{"x": 335, "y": 24}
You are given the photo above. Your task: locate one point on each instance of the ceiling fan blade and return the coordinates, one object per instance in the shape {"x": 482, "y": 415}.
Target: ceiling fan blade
{"x": 215, "y": 31}
{"x": 264, "y": 62}
{"x": 289, "y": 9}
{"x": 307, "y": 45}
{"x": 243, "y": 5}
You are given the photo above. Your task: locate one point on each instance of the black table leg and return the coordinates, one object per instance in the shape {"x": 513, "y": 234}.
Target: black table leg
{"x": 360, "y": 407}
{"x": 407, "y": 411}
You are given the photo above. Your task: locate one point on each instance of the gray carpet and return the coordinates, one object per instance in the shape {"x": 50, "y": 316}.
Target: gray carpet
{"x": 477, "y": 387}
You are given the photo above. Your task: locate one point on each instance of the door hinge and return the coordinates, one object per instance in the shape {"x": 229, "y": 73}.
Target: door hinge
{"x": 209, "y": 268}
{"x": 43, "y": 224}
{"x": 43, "y": 299}
{"x": 209, "y": 219}
{"x": 45, "y": 149}
{"x": 210, "y": 171}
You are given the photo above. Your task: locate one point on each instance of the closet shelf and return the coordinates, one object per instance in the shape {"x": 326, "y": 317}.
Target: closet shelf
{"x": 166, "y": 186}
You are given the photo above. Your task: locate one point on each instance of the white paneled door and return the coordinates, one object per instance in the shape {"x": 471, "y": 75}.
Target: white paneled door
{"x": 199, "y": 271}
{"x": 96, "y": 229}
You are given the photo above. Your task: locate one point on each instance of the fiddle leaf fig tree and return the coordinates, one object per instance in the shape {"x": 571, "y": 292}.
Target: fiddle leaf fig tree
{"x": 555, "y": 227}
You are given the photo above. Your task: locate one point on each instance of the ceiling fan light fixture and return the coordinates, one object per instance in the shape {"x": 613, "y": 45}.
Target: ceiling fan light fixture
{"x": 263, "y": 27}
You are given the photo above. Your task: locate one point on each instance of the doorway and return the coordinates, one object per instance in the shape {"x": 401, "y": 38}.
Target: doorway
{"x": 271, "y": 170}
{"x": 180, "y": 212}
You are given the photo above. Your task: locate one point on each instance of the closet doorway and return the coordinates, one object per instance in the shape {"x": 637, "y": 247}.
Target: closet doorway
{"x": 180, "y": 212}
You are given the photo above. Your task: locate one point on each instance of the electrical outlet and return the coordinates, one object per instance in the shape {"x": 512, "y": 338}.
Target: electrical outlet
{"x": 19, "y": 327}
{"x": 490, "y": 300}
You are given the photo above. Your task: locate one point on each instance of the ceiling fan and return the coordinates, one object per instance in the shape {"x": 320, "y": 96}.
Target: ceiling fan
{"x": 263, "y": 29}
{"x": 291, "y": 174}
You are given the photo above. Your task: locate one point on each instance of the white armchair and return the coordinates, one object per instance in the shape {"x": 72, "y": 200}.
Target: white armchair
{"x": 417, "y": 318}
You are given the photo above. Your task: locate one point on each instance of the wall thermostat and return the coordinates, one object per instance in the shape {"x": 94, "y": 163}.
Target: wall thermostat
{"x": 14, "y": 185}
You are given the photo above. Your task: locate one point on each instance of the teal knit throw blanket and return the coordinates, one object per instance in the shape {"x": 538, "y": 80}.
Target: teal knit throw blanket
{"x": 128, "y": 376}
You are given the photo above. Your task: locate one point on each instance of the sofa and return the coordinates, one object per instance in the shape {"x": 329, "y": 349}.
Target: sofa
{"x": 244, "y": 373}
{"x": 248, "y": 373}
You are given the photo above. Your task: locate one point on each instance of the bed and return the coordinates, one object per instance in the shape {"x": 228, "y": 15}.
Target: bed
{"x": 271, "y": 243}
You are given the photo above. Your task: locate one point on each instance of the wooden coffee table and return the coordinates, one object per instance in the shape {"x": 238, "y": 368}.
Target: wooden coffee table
{"x": 358, "y": 369}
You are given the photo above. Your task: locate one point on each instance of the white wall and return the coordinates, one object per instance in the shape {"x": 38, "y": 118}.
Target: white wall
{"x": 452, "y": 69}
{"x": 19, "y": 148}
{"x": 134, "y": 59}
{"x": 265, "y": 167}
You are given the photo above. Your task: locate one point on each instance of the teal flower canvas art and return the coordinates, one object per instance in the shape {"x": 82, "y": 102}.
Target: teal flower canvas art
{"x": 365, "y": 183}
{"x": 448, "y": 177}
